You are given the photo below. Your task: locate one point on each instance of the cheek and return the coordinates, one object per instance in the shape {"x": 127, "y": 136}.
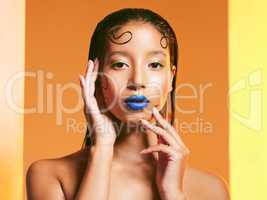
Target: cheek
{"x": 160, "y": 84}
{"x": 165, "y": 84}
{"x": 111, "y": 88}
{"x": 164, "y": 90}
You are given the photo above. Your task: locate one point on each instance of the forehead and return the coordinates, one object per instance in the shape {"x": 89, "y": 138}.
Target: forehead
{"x": 137, "y": 37}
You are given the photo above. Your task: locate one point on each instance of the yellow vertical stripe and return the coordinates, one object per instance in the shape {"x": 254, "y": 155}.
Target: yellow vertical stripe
{"x": 248, "y": 85}
{"x": 12, "y": 24}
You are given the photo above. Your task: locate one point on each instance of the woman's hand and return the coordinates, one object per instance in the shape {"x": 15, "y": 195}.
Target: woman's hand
{"x": 172, "y": 154}
{"x": 98, "y": 123}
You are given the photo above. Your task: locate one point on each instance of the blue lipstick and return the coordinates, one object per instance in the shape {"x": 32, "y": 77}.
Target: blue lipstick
{"x": 136, "y": 102}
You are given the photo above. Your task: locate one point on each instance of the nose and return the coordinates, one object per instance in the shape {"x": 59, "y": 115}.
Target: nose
{"x": 137, "y": 80}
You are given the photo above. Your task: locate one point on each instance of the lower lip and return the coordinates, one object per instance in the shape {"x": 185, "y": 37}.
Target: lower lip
{"x": 136, "y": 105}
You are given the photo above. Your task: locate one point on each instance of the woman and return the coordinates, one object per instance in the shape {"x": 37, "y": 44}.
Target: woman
{"x": 132, "y": 149}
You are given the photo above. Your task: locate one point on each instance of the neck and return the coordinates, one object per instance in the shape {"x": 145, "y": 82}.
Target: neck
{"x": 131, "y": 140}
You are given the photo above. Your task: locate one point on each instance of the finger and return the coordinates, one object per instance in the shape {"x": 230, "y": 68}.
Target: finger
{"x": 89, "y": 81}
{"x": 165, "y": 124}
{"x": 162, "y": 148}
{"x": 82, "y": 82}
{"x": 161, "y": 140}
{"x": 88, "y": 90}
{"x": 89, "y": 70}
{"x": 162, "y": 122}
{"x": 164, "y": 137}
{"x": 161, "y": 132}
{"x": 95, "y": 70}
{"x": 84, "y": 88}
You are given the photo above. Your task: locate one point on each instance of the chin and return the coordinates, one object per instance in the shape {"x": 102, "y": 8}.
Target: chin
{"x": 127, "y": 116}
{"x": 135, "y": 117}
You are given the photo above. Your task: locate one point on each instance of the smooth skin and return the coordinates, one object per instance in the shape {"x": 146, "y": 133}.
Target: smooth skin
{"x": 137, "y": 165}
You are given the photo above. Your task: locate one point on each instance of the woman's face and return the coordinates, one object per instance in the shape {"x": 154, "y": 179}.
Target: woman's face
{"x": 140, "y": 66}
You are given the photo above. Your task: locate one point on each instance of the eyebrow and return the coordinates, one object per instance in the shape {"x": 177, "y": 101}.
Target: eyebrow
{"x": 125, "y": 53}
{"x": 157, "y": 52}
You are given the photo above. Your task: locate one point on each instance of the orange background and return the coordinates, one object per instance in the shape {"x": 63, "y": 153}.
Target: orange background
{"x": 57, "y": 40}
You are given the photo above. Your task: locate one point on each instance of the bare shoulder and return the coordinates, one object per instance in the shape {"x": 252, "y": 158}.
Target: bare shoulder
{"x": 44, "y": 178}
{"x": 201, "y": 184}
{"x": 42, "y": 181}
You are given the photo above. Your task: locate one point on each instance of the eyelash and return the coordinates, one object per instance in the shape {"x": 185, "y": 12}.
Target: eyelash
{"x": 115, "y": 64}
{"x": 161, "y": 66}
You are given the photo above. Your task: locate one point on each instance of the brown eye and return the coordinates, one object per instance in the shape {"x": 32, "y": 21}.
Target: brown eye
{"x": 118, "y": 65}
{"x": 156, "y": 65}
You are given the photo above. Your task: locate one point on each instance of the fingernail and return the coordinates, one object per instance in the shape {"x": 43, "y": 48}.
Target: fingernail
{"x": 143, "y": 151}
{"x": 143, "y": 121}
{"x": 89, "y": 64}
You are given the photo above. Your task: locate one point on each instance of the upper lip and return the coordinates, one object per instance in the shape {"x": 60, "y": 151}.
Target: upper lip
{"x": 136, "y": 98}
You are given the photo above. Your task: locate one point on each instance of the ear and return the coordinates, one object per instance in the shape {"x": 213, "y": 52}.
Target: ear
{"x": 173, "y": 72}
